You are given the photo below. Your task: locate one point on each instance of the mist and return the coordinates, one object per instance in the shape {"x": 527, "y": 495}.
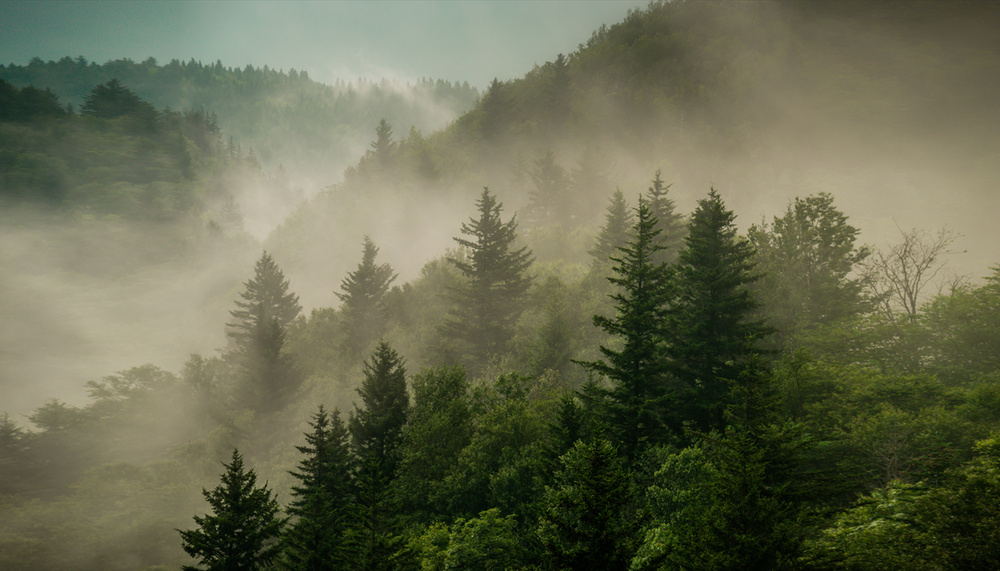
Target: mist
{"x": 150, "y": 237}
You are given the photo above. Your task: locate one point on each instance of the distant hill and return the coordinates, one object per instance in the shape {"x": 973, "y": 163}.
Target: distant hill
{"x": 311, "y": 129}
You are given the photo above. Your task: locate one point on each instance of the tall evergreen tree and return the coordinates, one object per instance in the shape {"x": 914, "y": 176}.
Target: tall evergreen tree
{"x": 268, "y": 379}
{"x": 376, "y": 428}
{"x": 494, "y": 111}
{"x": 590, "y": 519}
{"x": 383, "y": 148}
{"x": 375, "y": 435}
{"x": 617, "y": 229}
{"x": 316, "y": 538}
{"x": 363, "y": 295}
{"x": 496, "y": 281}
{"x": 669, "y": 222}
{"x": 752, "y": 522}
{"x": 549, "y": 200}
{"x": 112, "y": 100}
{"x": 713, "y": 324}
{"x": 243, "y": 529}
{"x": 265, "y": 297}
{"x": 642, "y": 393}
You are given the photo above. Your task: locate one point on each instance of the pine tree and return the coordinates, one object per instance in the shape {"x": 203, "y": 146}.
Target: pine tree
{"x": 243, "y": 529}
{"x": 617, "y": 229}
{"x": 549, "y": 201}
{"x": 590, "y": 519}
{"x": 713, "y": 327}
{"x": 490, "y": 300}
{"x": 753, "y": 522}
{"x": 669, "y": 222}
{"x": 363, "y": 295}
{"x": 376, "y": 428}
{"x": 494, "y": 111}
{"x": 642, "y": 392}
{"x": 383, "y": 148}
{"x": 375, "y": 536}
{"x": 316, "y": 539}
{"x": 268, "y": 378}
{"x": 264, "y": 298}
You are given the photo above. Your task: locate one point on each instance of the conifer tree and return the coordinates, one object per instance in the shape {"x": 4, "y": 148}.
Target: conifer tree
{"x": 669, "y": 222}
{"x": 243, "y": 529}
{"x": 383, "y": 148}
{"x": 268, "y": 378}
{"x": 265, "y": 297}
{"x": 712, "y": 325}
{"x": 641, "y": 394}
{"x": 549, "y": 200}
{"x": 376, "y": 428}
{"x": 375, "y": 435}
{"x": 316, "y": 538}
{"x": 496, "y": 281}
{"x": 363, "y": 294}
{"x": 617, "y": 229}
{"x": 753, "y": 522}
{"x": 590, "y": 519}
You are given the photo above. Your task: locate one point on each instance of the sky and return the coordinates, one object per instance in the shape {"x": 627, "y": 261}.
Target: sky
{"x": 472, "y": 41}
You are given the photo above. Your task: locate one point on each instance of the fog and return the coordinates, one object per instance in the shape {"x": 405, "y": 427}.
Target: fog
{"x": 904, "y": 134}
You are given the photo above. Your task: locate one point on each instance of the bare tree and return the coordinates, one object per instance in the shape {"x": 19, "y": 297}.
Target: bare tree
{"x": 897, "y": 277}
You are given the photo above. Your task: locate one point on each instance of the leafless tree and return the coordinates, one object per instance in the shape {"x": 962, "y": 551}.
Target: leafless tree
{"x": 897, "y": 277}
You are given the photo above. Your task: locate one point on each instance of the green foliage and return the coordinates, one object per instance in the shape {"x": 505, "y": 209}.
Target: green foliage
{"x": 376, "y": 427}
{"x": 363, "y": 296}
{"x": 309, "y": 127}
{"x": 440, "y": 420}
{"x": 590, "y": 519}
{"x": 668, "y": 221}
{"x": 243, "y": 529}
{"x": 810, "y": 265}
{"x": 642, "y": 394}
{"x": 751, "y": 519}
{"x": 28, "y": 103}
{"x": 269, "y": 379}
{"x": 488, "y": 541}
{"x": 616, "y": 231}
{"x": 320, "y": 506}
{"x": 712, "y": 324}
{"x": 490, "y": 300}
{"x": 113, "y": 100}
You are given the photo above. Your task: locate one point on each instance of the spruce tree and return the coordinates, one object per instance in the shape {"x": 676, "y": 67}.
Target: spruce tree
{"x": 550, "y": 201}
{"x": 753, "y": 521}
{"x": 642, "y": 394}
{"x": 496, "y": 281}
{"x": 375, "y": 435}
{"x": 268, "y": 379}
{"x": 590, "y": 519}
{"x": 316, "y": 538}
{"x": 713, "y": 327}
{"x": 243, "y": 529}
{"x": 376, "y": 428}
{"x": 669, "y": 222}
{"x": 363, "y": 295}
{"x": 265, "y": 297}
{"x": 617, "y": 229}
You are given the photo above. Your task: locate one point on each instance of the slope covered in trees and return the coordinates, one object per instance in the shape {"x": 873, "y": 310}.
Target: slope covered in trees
{"x": 314, "y": 130}
{"x": 699, "y": 391}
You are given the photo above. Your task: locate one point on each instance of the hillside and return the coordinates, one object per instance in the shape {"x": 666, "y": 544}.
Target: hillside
{"x": 311, "y": 129}
{"x": 717, "y": 290}
{"x": 876, "y": 103}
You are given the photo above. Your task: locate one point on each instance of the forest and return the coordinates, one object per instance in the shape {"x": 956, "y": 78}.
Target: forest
{"x": 554, "y": 332}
